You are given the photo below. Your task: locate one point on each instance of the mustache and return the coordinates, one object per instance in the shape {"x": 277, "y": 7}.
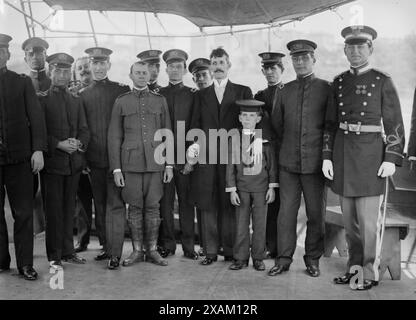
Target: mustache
{"x": 220, "y": 70}
{"x": 85, "y": 73}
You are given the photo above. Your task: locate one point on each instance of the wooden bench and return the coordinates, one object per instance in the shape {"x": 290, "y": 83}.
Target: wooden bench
{"x": 395, "y": 230}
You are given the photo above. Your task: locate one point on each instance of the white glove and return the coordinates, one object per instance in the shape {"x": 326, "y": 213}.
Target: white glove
{"x": 328, "y": 169}
{"x": 387, "y": 169}
{"x": 193, "y": 153}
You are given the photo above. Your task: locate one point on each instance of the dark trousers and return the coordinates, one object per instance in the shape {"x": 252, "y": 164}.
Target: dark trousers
{"x": 292, "y": 185}
{"x": 226, "y": 214}
{"x": 252, "y": 204}
{"x": 186, "y": 214}
{"x": 115, "y": 218}
{"x": 100, "y": 183}
{"x": 84, "y": 218}
{"x": 198, "y": 219}
{"x": 60, "y": 195}
{"x": 17, "y": 179}
{"x": 271, "y": 226}
{"x": 39, "y": 205}
{"x": 210, "y": 232}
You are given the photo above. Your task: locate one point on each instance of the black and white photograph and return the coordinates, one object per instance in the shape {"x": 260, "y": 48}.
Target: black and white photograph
{"x": 207, "y": 156}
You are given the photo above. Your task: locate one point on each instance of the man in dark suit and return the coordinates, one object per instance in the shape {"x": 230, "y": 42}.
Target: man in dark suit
{"x": 22, "y": 143}
{"x": 180, "y": 99}
{"x": 98, "y": 99}
{"x": 298, "y": 118}
{"x": 272, "y": 68}
{"x": 152, "y": 58}
{"x": 215, "y": 108}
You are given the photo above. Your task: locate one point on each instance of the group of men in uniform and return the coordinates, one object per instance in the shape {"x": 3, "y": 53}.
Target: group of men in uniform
{"x": 349, "y": 131}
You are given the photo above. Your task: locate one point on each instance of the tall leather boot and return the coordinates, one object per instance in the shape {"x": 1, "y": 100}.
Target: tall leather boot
{"x": 152, "y": 233}
{"x": 135, "y": 222}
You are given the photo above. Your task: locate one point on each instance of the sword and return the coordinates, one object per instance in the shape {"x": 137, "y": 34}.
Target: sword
{"x": 380, "y": 233}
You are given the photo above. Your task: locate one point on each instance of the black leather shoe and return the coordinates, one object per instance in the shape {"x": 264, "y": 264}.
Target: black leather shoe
{"x": 313, "y": 271}
{"x": 238, "y": 265}
{"x": 228, "y": 258}
{"x": 207, "y": 261}
{"x": 278, "y": 269}
{"x": 345, "y": 279}
{"x": 113, "y": 263}
{"x": 80, "y": 248}
{"x": 164, "y": 253}
{"x": 221, "y": 251}
{"x": 191, "y": 255}
{"x": 259, "y": 265}
{"x": 102, "y": 256}
{"x": 201, "y": 252}
{"x": 367, "y": 285}
{"x": 28, "y": 273}
{"x": 74, "y": 258}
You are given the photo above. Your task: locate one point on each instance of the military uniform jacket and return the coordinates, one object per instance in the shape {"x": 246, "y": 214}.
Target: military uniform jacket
{"x": 98, "y": 101}
{"x": 136, "y": 116}
{"x": 180, "y": 100}
{"x": 411, "y": 148}
{"x": 243, "y": 175}
{"x": 40, "y": 81}
{"x": 154, "y": 86}
{"x": 23, "y": 128}
{"x": 267, "y": 96}
{"x": 65, "y": 118}
{"x": 208, "y": 114}
{"x": 369, "y": 98}
{"x": 298, "y": 118}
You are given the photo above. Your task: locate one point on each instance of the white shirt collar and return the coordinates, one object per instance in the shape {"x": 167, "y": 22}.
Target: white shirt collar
{"x": 38, "y": 71}
{"x": 361, "y": 69}
{"x": 140, "y": 89}
{"x": 248, "y": 132}
{"x": 222, "y": 84}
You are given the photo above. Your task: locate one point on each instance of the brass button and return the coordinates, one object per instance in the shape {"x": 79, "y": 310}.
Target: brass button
{"x": 343, "y": 113}
{"x": 358, "y": 133}
{"x": 345, "y": 132}
{"x": 362, "y": 113}
{"x": 369, "y": 94}
{"x": 378, "y": 78}
{"x": 340, "y": 95}
{"x": 373, "y": 85}
{"x": 341, "y": 104}
{"x": 364, "y": 103}
{"x": 340, "y": 79}
{"x": 345, "y": 122}
{"x": 340, "y": 87}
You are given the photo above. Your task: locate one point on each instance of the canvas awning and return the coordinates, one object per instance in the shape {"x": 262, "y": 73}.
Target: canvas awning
{"x": 208, "y": 13}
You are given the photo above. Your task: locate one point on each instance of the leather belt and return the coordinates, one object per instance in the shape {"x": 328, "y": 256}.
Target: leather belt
{"x": 358, "y": 127}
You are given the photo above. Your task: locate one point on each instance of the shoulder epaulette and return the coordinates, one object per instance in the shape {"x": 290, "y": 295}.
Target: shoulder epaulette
{"x": 124, "y": 94}
{"x": 155, "y": 93}
{"x": 341, "y": 74}
{"x": 194, "y": 90}
{"x": 382, "y": 73}
{"x": 281, "y": 86}
{"x": 155, "y": 90}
